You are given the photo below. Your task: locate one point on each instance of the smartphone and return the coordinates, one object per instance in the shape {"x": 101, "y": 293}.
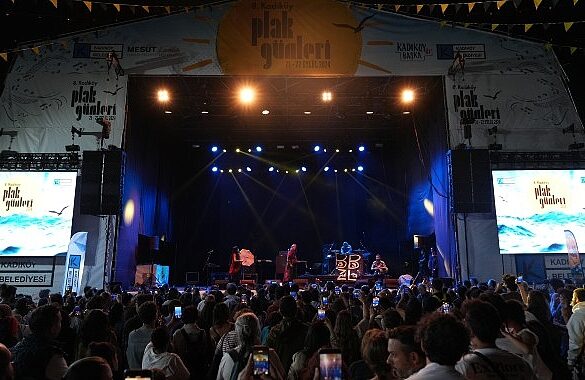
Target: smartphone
{"x": 77, "y": 311}
{"x": 357, "y": 293}
{"x": 320, "y": 314}
{"x": 138, "y": 374}
{"x": 261, "y": 360}
{"x": 375, "y": 301}
{"x": 519, "y": 279}
{"x": 325, "y": 301}
{"x": 378, "y": 286}
{"x": 337, "y": 290}
{"x": 290, "y": 283}
{"x": 445, "y": 308}
{"x": 274, "y": 282}
{"x": 314, "y": 286}
{"x": 330, "y": 364}
{"x": 178, "y": 312}
{"x": 293, "y": 295}
{"x": 244, "y": 299}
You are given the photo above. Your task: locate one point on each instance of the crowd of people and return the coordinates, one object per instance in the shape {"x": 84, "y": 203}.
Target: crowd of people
{"x": 491, "y": 330}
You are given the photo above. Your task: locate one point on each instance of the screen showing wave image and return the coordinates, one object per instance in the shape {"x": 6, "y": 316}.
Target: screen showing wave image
{"x": 36, "y": 212}
{"x": 539, "y": 211}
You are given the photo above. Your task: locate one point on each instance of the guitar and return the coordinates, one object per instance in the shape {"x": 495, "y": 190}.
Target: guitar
{"x": 379, "y": 267}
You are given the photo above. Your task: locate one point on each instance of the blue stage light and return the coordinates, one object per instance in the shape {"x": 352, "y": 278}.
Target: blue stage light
{"x": 303, "y": 168}
{"x": 271, "y": 169}
{"x": 361, "y": 148}
{"x": 258, "y": 149}
{"x": 317, "y": 148}
{"x": 360, "y": 168}
{"x": 326, "y": 168}
{"x": 214, "y": 149}
{"x": 214, "y": 169}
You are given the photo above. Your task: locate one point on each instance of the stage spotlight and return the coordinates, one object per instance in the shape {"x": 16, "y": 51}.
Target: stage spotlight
{"x": 307, "y": 112}
{"x": 360, "y": 168}
{"x": 296, "y": 171}
{"x": 350, "y": 151}
{"x": 249, "y": 150}
{"x": 335, "y": 170}
{"x": 230, "y": 170}
{"x": 326, "y": 96}
{"x": 286, "y": 172}
{"x": 248, "y": 169}
{"x": 239, "y": 170}
{"x": 163, "y": 96}
{"x": 326, "y": 168}
{"x": 258, "y": 149}
{"x": 237, "y": 150}
{"x": 345, "y": 170}
{"x": 221, "y": 171}
{"x": 325, "y": 150}
{"x": 362, "y": 148}
{"x": 406, "y": 112}
{"x": 336, "y": 150}
{"x": 204, "y": 112}
{"x": 317, "y": 148}
{"x": 214, "y": 149}
{"x": 225, "y": 150}
{"x": 303, "y": 168}
{"x": 247, "y": 95}
{"x": 271, "y": 169}
{"x": 369, "y": 112}
{"x": 214, "y": 169}
{"x": 353, "y": 169}
{"x": 168, "y": 112}
{"x": 407, "y": 96}
{"x": 265, "y": 112}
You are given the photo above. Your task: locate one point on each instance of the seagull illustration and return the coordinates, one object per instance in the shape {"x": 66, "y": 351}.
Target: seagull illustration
{"x": 59, "y": 212}
{"x": 360, "y": 26}
{"x": 113, "y": 92}
{"x": 494, "y": 96}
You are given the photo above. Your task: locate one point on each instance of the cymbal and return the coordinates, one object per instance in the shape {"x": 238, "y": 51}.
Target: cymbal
{"x": 335, "y": 250}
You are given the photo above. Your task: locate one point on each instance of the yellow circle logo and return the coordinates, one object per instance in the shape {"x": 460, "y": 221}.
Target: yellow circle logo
{"x": 311, "y": 37}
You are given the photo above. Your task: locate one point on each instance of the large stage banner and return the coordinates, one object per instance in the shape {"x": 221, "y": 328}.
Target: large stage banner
{"x": 498, "y": 81}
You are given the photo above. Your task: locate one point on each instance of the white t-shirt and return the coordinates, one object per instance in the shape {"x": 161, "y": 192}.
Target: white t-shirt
{"x": 168, "y": 362}
{"x": 474, "y": 367}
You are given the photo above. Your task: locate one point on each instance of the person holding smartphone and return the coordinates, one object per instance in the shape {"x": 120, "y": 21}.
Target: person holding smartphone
{"x": 242, "y": 357}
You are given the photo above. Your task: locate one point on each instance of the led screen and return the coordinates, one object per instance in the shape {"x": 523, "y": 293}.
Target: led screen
{"x": 540, "y": 211}
{"x": 36, "y": 212}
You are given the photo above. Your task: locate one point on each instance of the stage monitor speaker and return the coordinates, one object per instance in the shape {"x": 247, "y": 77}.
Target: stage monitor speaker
{"x": 470, "y": 180}
{"x": 101, "y": 182}
{"x": 191, "y": 278}
{"x": 301, "y": 281}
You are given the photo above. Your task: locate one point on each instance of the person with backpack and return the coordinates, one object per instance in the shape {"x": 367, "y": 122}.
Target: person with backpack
{"x": 247, "y": 329}
{"x": 191, "y": 343}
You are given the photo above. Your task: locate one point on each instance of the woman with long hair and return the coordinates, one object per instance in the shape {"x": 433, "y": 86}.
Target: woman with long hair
{"x": 318, "y": 336}
{"x": 345, "y": 337}
{"x": 221, "y": 323}
{"x": 247, "y": 329}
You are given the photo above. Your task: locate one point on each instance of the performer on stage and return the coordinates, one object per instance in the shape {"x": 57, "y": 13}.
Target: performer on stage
{"x": 291, "y": 259}
{"x": 345, "y": 248}
{"x": 379, "y": 266}
{"x": 235, "y": 265}
{"x": 434, "y": 263}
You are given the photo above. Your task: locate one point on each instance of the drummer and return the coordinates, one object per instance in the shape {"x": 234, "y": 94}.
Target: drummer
{"x": 345, "y": 248}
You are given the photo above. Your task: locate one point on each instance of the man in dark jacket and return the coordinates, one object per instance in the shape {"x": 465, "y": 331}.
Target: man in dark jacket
{"x": 287, "y": 337}
{"x": 37, "y": 356}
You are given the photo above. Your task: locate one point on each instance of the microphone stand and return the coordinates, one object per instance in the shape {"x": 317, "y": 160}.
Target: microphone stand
{"x": 206, "y": 267}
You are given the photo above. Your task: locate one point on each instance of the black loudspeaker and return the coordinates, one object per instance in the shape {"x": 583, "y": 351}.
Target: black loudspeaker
{"x": 471, "y": 180}
{"x": 101, "y": 182}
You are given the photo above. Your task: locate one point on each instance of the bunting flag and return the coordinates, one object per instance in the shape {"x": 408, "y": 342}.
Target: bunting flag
{"x": 431, "y": 8}
{"x": 567, "y": 25}
{"x": 418, "y": 8}
{"x": 501, "y": 3}
{"x": 36, "y": 50}
{"x": 527, "y": 27}
{"x": 379, "y": 6}
{"x": 547, "y": 46}
{"x": 54, "y": 2}
{"x": 574, "y": 2}
{"x": 537, "y": 3}
{"x": 486, "y": 6}
{"x": 572, "y": 49}
{"x": 444, "y": 7}
{"x": 397, "y": 7}
{"x": 443, "y": 23}
{"x": 146, "y": 8}
{"x": 495, "y": 26}
{"x": 466, "y": 24}
{"x": 168, "y": 9}
{"x": 4, "y": 56}
{"x": 517, "y": 3}
{"x": 470, "y": 6}
{"x": 88, "y": 5}
{"x": 117, "y": 6}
